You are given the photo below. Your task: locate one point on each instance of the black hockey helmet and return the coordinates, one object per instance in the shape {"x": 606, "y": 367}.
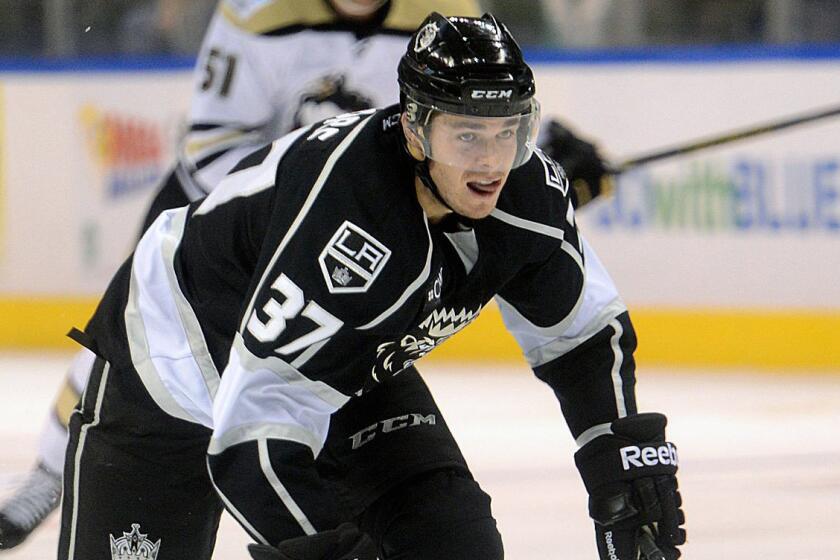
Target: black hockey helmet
{"x": 471, "y": 68}
{"x": 466, "y": 65}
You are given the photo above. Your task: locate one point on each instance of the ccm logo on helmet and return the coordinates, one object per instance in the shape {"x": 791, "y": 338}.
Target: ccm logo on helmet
{"x": 633, "y": 456}
{"x": 492, "y": 93}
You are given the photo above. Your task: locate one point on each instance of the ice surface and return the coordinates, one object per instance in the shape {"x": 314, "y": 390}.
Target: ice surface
{"x": 760, "y": 455}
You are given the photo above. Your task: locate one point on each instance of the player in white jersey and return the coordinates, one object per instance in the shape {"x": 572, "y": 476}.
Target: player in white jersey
{"x": 267, "y": 67}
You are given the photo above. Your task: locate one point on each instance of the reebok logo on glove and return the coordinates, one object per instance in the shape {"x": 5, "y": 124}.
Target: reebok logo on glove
{"x": 634, "y": 456}
{"x": 608, "y": 538}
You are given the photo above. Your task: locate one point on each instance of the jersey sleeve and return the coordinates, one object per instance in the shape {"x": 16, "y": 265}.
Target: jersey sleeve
{"x": 575, "y": 332}
{"x": 233, "y": 104}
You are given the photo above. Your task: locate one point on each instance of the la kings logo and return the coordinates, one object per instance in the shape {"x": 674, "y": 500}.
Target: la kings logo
{"x": 134, "y": 546}
{"x": 352, "y": 260}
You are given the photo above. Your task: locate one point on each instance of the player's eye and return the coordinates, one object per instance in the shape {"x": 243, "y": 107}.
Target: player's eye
{"x": 466, "y": 137}
{"x": 506, "y": 134}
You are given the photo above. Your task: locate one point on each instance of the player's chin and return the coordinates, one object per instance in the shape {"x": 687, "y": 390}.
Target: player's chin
{"x": 479, "y": 206}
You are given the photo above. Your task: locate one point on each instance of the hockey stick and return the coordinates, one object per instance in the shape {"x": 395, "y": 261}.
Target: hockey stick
{"x": 724, "y": 138}
{"x": 647, "y": 547}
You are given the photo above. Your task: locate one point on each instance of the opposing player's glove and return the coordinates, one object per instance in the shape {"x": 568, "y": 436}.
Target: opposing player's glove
{"x": 580, "y": 159}
{"x": 345, "y": 542}
{"x": 633, "y": 496}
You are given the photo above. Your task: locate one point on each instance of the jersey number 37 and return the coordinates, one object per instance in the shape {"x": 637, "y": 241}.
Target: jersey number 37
{"x": 279, "y": 314}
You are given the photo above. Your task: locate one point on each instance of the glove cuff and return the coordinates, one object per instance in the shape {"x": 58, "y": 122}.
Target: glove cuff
{"x": 636, "y": 448}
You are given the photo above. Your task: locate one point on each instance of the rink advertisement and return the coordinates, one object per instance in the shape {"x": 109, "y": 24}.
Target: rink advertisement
{"x": 736, "y": 246}
{"x": 126, "y": 152}
{"x": 85, "y": 154}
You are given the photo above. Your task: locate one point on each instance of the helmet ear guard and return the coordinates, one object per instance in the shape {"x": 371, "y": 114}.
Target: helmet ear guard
{"x": 415, "y": 143}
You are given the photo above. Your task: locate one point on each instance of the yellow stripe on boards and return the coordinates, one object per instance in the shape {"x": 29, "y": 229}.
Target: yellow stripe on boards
{"x": 29, "y": 323}
{"x": 795, "y": 339}
{"x": 792, "y": 339}
{"x": 788, "y": 340}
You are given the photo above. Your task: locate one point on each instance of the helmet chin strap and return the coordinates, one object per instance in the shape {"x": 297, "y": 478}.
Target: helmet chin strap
{"x": 422, "y": 168}
{"x": 452, "y": 222}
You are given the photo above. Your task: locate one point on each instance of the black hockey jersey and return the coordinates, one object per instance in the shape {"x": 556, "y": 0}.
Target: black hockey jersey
{"x": 312, "y": 274}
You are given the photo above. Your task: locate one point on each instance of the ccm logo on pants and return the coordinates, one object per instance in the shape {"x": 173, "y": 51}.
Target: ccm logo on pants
{"x": 634, "y": 456}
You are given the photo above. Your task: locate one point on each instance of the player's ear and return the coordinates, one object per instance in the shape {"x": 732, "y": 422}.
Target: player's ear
{"x": 415, "y": 145}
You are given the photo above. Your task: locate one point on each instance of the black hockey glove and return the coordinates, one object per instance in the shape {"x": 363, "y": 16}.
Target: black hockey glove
{"x": 345, "y": 542}
{"x": 633, "y": 496}
{"x": 580, "y": 160}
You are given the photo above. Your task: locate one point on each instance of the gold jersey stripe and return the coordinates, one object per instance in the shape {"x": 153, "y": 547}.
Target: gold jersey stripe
{"x": 194, "y": 147}
{"x": 404, "y": 15}
{"x": 66, "y": 402}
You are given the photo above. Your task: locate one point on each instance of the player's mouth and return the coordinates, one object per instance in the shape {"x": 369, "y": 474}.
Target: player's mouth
{"x": 486, "y": 186}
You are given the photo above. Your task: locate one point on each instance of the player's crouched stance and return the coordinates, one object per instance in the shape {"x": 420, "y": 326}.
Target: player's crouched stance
{"x": 629, "y": 474}
{"x": 257, "y": 351}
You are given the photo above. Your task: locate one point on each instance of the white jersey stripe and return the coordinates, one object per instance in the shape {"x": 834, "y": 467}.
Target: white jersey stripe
{"x": 235, "y": 512}
{"x": 553, "y": 349}
{"x": 522, "y": 223}
{"x": 287, "y": 373}
{"x": 280, "y": 490}
{"x": 255, "y": 432}
{"x": 77, "y": 460}
{"x": 593, "y": 432}
{"x": 542, "y": 229}
{"x": 267, "y": 397}
{"x": 252, "y": 180}
{"x": 466, "y": 245}
{"x": 597, "y": 305}
{"x": 189, "y": 320}
{"x": 618, "y": 384}
{"x": 174, "y": 362}
{"x": 139, "y": 347}
{"x": 413, "y": 287}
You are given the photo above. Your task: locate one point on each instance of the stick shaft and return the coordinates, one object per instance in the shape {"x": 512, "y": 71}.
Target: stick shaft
{"x": 725, "y": 138}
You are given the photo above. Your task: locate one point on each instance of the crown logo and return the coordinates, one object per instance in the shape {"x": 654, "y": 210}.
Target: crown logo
{"x": 134, "y": 546}
{"x": 425, "y": 37}
{"x": 342, "y": 275}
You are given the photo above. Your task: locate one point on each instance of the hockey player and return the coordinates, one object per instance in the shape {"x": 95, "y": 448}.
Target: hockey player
{"x": 265, "y": 68}
{"x": 257, "y": 350}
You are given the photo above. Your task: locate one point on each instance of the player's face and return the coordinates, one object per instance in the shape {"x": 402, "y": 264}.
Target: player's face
{"x": 479, "y": 156}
